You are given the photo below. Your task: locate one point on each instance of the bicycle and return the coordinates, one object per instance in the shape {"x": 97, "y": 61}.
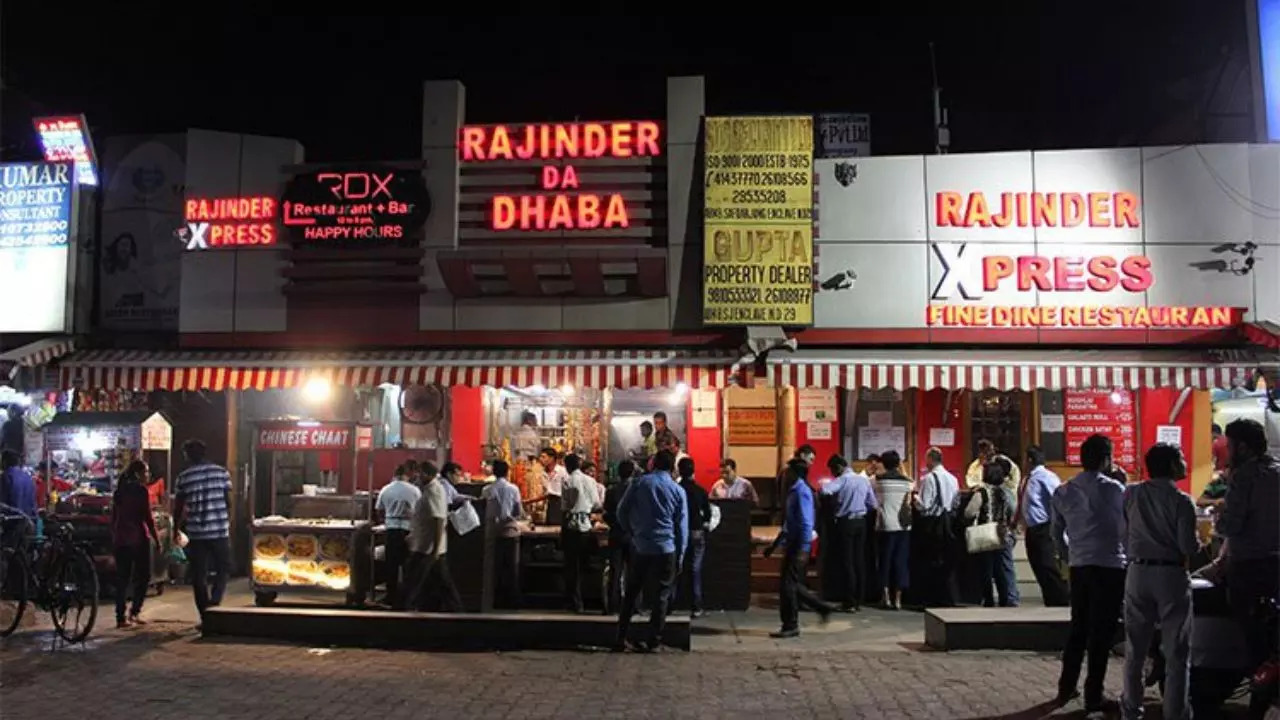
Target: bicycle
{"x": 52, "y": 572}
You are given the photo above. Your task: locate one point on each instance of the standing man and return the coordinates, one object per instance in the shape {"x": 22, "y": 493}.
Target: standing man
{"x": 429, "y": 542}
{"x": 395, "y": 504}
{"x": 796, "y": 536}
{"x": 731, "y": 486}
{"x": 1161, "y": 540}
{"x": 527, "y": 443}
{"x": 502, "y": 514}
{"x": 555, "y": 473}
{"x": 854, "y": 498}
{"x": 1090, "y": 510}
{"x": 1034, "y": 499}
{"x": 580, "y": 500}
{"x": 17, "y": 487}
{"x": 987, "y": 452}
{"x": 201, "y": 508}
{"x": 699, "y": 520}
{"x": 654, "y": 512}
{"x": 933, "y": 535}
{"x": 1249, "y": 520}
{"x": 782, "y": 486}
{"x": 664, "y": 438}
{"x": 619, "y": 542}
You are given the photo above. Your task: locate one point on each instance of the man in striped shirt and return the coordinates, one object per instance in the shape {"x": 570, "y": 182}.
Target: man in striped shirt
{"x": 202, "y": 510}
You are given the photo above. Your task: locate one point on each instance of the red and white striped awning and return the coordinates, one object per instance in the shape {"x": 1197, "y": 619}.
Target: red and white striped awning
{"x": 199, "y": 370}
{"x": 1007, "y": 370}
{"x": 39, "y": 352}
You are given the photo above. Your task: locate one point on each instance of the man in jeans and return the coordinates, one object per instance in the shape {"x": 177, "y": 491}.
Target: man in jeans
{"x": 699, "y": 520}
{"x": 1090, "y": 511}
{"x": 654, "y": 513}
{"x": 201, "y": 509}
{"x": 796, "y": 536}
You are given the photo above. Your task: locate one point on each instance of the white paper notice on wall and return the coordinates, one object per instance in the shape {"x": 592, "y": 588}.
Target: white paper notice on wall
{"x": 1169, "y": 434}
{"x": 880, "y": 418}
{"x": 880, "y": 440}
{"x": 816, "y": 405}
{"x": 819, "y": 430}
{"x": 1053, "y": 423}
{"x": 704, "y": 408}
{"x": 942, "y": 437}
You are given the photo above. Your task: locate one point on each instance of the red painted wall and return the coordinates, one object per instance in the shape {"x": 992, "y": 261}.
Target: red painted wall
{"x": 822, "y": 448}
{"x": 929, "y": 406}
{"x": 1154, "y": 406}
{"x": 703, "y": 446}
{"x": 466, "y": 427}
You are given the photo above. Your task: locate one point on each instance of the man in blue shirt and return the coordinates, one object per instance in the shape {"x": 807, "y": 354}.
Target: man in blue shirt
{"x": 1090, "y": 511}
{"x": 654, "y": 512}
{"x": 796, "y": 536}
{"x": 854, "y": 499}
{"x": 1034, "y": 499}
{"x": 17, "y": 488}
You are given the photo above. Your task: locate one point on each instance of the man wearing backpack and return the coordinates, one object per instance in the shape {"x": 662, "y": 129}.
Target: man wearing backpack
{"x": 934, "y": 532}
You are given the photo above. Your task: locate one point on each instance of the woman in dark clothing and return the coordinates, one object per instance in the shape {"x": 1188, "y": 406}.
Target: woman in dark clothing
{"x": 133, "y": 533}
{"x": 992, "y": 502}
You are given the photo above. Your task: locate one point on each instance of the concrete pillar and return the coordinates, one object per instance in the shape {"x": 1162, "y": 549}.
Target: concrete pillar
{"x": 444, "y": 105}
{"x": 686, "y": 105}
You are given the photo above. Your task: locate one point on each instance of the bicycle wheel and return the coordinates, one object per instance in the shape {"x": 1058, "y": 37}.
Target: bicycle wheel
{"x": 13, "y": 594}
{"x": 74, "y": 602}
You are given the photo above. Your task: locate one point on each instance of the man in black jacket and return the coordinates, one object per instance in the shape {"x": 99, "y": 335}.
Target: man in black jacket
{"x": 699, "y": 521}
{"x": 619, "y": 541}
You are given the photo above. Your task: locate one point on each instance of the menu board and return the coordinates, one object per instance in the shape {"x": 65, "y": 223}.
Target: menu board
{"x": 1104, "y": 412}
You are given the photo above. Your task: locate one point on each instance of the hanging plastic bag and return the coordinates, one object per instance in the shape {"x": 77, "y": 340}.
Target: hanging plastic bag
{"x": 715, "y": 518}
{"x": 464, "y": 519}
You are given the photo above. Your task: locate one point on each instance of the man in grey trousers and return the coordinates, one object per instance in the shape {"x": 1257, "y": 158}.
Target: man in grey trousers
{"x": 1157, "y": 591}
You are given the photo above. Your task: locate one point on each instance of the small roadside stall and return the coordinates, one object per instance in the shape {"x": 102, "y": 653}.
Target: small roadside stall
{"x": 312, "y": 527}
{"x": 87, "y": 451}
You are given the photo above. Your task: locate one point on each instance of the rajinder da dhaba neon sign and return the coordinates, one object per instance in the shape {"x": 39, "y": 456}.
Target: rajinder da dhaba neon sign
{"x": 561, "y": 204}
{"x": 968, "y": 274}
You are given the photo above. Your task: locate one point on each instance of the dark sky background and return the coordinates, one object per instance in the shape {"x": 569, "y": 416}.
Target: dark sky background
{"x": 1083, "y": 74}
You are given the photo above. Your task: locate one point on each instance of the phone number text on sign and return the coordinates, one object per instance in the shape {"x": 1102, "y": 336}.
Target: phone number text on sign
{"x": 758, "y": 221}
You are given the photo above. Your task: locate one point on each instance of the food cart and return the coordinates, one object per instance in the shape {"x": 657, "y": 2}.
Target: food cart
{"x": 88, "y": 451}
{"x": 311, "y": 524}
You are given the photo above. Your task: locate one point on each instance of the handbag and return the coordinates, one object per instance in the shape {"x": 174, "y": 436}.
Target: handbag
{"x": 981, "y": 537}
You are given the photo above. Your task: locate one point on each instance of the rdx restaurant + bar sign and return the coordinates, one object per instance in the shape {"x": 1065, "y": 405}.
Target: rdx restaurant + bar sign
{"x": 365, "y": 203}
{"x": 970, "y": 272}
{"x": 561, "y": 202}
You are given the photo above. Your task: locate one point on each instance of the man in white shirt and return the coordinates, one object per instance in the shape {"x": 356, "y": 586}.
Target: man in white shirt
{"x": 934, "y": 533}
{"x": 731, "y": 486}
{"x": 395, "y": 504}
{"x": 527, "y": 443}
{"x": 429, "y": 541}
{"x": 556, "y": 473}
{"x": 580, "y": 500}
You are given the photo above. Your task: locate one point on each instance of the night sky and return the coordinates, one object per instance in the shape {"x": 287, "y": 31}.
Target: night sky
{"x": 350, "y": 88}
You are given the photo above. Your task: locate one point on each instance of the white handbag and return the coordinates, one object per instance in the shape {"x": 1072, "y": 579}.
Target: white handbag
{"x": 984, "y": 537}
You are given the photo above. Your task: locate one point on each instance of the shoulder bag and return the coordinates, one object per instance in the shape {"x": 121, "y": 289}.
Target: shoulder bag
{"x": 981, "y": 537}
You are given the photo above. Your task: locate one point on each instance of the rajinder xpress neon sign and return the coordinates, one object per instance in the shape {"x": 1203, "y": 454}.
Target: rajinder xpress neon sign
{"x": 561, "y": 204}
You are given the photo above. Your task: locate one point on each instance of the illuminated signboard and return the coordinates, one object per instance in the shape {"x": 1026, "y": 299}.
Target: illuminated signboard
{"x": 1266, "y": 64}
{"x": 378, "y": 203}
{"x": 37, "y": 222}
{"x": 560, "y": 203}
{"x": 35, "y": 205}
{"x": 66, "y": 139}
{"x": 229, "y": 222}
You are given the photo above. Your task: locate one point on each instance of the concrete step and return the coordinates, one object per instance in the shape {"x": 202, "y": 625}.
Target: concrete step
{"x": 431, "y": 631}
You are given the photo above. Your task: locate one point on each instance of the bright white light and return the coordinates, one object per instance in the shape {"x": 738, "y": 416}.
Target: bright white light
{"x": 566, "y": 389}
{"x": 1116, "y": 397}
{"x": 86, "y": 444}
{"x": 537, "y": 389}
{"x": 308, "y": 423}
{"x": 682, "y": 388}
{"x": 316, "y": 390}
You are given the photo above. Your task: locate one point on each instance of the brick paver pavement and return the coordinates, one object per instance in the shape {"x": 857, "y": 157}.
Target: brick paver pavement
{"x": 166, "y": 672}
